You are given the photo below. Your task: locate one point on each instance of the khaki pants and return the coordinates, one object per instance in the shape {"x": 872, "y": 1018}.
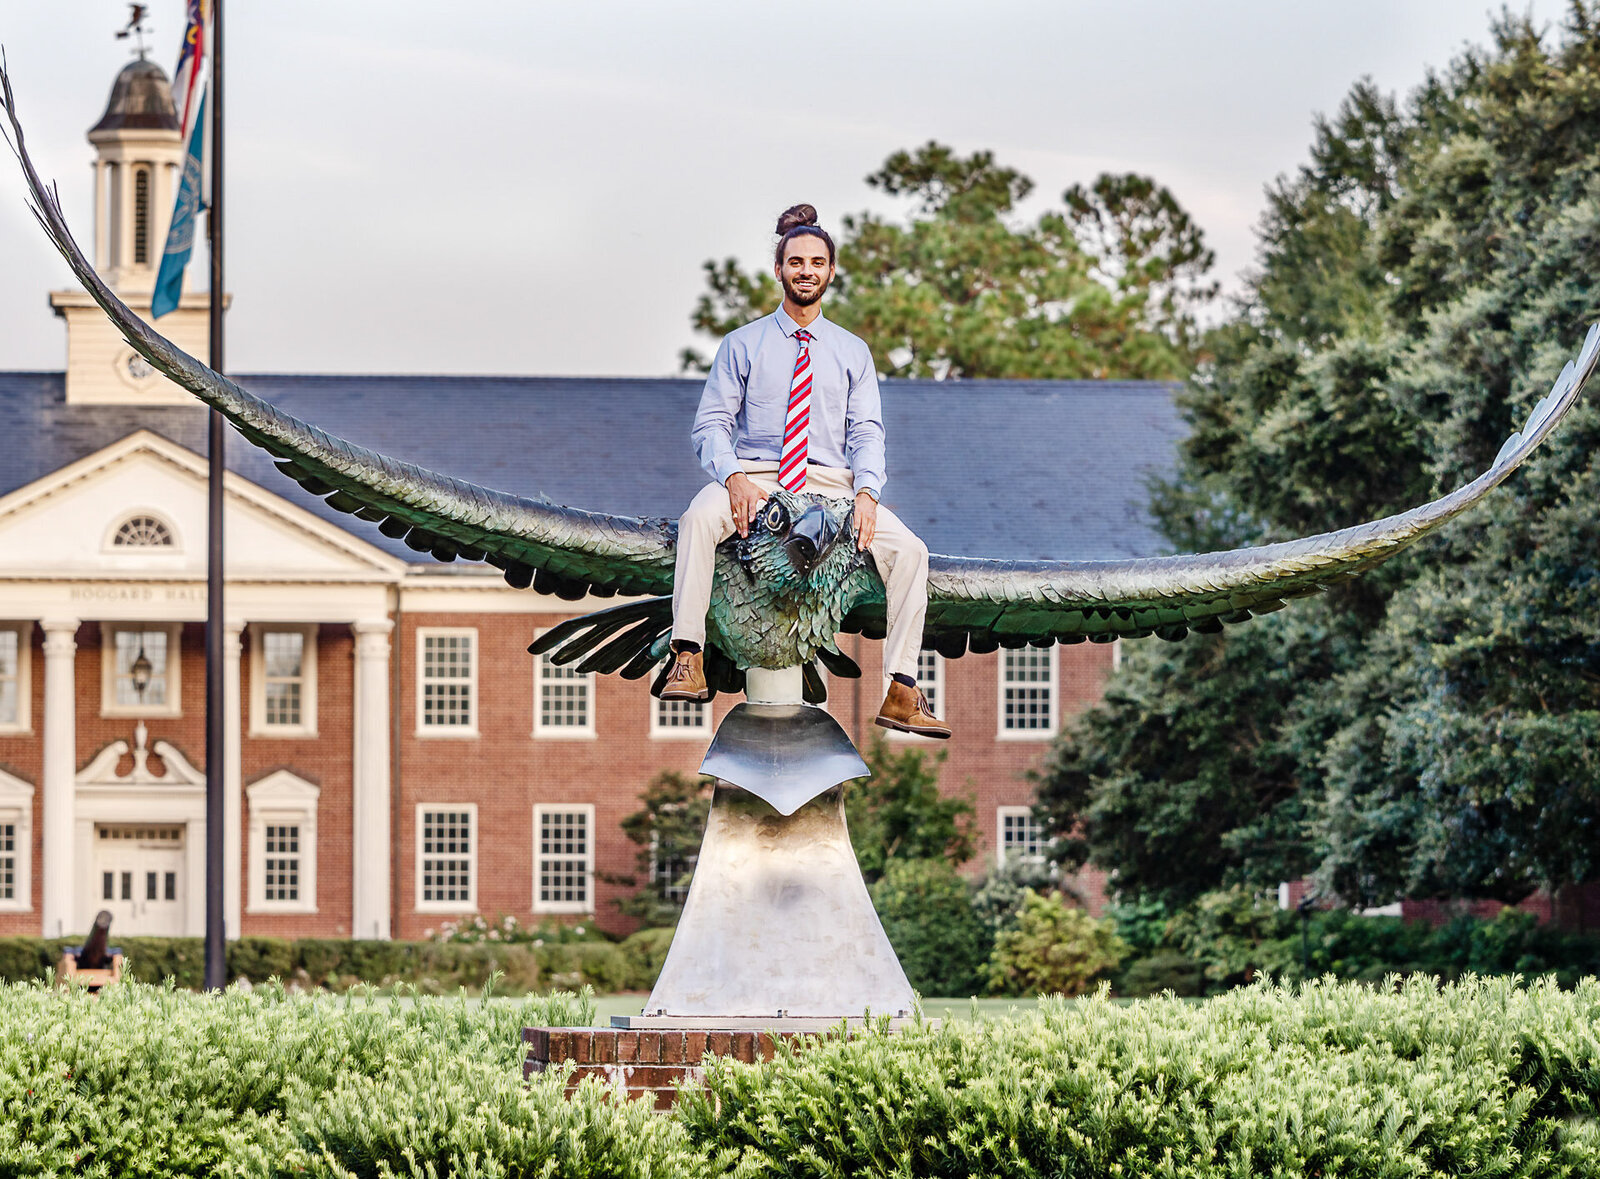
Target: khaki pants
{"x": 902, "y": 561}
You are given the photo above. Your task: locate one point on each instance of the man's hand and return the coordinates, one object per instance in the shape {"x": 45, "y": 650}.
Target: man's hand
{"x": 866, "y": 520}
{"x": 745, "y": 500}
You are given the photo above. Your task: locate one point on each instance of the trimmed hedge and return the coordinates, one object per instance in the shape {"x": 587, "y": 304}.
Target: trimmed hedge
{"x": 434, "y": 968}
{"x": 1482, "y": 1078}
{"x": 157, "y": 1081}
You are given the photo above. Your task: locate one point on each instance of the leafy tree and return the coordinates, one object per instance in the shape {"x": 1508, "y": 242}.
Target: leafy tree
{"x": 1106, "y": 285}
{"x": 667, "y": 830}
{"x": 1431, "y": 728}
{"x": 899, "y": 813}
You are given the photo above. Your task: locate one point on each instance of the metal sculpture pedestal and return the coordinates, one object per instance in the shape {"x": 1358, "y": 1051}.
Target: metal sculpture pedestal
{"x": 778, "y": 932}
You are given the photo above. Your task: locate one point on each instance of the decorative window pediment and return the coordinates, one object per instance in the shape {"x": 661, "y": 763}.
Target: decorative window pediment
{"x": 283, "y": 844}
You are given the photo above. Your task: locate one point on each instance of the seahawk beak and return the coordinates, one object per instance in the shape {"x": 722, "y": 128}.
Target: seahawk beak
{"x": 810, "y": 537}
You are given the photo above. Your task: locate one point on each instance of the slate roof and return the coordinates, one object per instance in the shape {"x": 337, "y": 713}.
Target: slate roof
{"x": 1020, "y": 469}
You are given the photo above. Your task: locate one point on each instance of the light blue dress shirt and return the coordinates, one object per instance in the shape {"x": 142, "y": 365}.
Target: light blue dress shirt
{"x": 746, "y": 399}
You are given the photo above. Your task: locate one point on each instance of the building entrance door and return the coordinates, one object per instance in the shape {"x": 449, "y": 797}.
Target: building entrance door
{"x": 139, "y": 870}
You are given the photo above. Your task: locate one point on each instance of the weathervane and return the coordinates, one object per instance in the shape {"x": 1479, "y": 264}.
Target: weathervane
{"x": 135, "y": 28}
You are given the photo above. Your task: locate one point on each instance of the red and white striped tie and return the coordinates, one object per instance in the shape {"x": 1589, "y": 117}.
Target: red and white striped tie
{"x": 797, "y": 422}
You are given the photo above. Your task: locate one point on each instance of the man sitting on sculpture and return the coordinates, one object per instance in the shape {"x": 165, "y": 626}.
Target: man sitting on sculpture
{"x": 792, "y": 401}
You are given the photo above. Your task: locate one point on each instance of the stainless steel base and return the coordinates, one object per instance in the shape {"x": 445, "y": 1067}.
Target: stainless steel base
{"x": 778, "y": 924}
{"x": 817, "y": 1025}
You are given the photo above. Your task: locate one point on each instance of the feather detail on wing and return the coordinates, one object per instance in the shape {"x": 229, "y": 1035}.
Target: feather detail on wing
{"x": 977, "y": 605}
{"x": 558, "y": 550}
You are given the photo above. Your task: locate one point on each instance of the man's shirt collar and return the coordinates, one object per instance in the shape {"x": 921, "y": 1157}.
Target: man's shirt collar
{"x": 789, "y": 327}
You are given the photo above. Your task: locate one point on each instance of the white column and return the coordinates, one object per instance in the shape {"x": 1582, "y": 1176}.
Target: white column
{"x": 60, "y": 767}
{"x": 232, "y": 779}
{"x": 102, "y": 227}
{"x": 370, "y": 845}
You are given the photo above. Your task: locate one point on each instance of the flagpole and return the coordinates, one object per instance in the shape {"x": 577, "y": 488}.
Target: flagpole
{"x": 216, "y": 809}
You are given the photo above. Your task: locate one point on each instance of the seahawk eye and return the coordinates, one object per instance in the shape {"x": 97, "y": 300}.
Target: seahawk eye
{"x": 774, "y": 517}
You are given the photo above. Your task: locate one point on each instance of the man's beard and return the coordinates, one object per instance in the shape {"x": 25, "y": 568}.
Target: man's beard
{"x": 802, "y": 298}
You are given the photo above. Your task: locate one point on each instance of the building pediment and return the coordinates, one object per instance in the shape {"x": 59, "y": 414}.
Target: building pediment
{"x": 137, "y": 510}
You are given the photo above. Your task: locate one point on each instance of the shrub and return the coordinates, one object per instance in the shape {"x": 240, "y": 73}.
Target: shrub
{"x": 1159, "y": 973}
{"x": 997, "y": 899}
{"x": 149, "y": 1081}
{"x": 1481, "y": 1078}
{"x": 434, "y": 968}
{"x": 646, "y": 953}
{"x": 926, "y": 909}
{"x": 1056, "y": 948}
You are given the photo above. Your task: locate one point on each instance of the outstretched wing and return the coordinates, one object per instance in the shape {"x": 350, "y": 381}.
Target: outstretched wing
{"x": 557, "y": 550}
{"x": 977, "y": 605}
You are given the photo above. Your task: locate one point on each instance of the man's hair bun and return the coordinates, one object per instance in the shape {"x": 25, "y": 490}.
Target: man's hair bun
{"x": 796, "y": 216}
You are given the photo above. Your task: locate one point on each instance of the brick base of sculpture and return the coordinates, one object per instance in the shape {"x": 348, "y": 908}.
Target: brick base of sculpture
{"x": 646, "y": 1064}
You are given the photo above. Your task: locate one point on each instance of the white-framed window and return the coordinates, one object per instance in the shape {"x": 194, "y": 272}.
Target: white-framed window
{"x": 680, "y": 718}
{"x": 1028, "y": 692}
{"x": 283, "y": 844}
{"x": 930, "y": 679}
{"x": 283, "y": 680}
{"x": 16, "y": 679}
{"x": 120, "y": 647}
{"x": 1018, "y": 835}
{"x": 16, "y": 844}
{"x": 447, "y": 857}
{"x": 563, "y": 858}
{"x": 447, "y": 686}
{"x": 563, "y": 700}
{"x": 670, "y": 875}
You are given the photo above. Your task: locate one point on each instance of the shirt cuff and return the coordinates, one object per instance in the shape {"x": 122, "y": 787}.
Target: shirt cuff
{"x": 724, "y": 468}
{"x": 871, "y": 487}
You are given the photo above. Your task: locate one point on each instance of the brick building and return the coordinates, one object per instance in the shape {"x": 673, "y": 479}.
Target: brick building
{"x": 393, "y": 756}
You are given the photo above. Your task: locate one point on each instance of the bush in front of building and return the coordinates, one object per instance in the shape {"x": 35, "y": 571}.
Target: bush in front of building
{"x": 926, "y": 909}
{"x": 433, "y": 968}
{"x": 1055, "y": 948}
{"x": 646, "y": 952}
{"x": 1234, "y": 935}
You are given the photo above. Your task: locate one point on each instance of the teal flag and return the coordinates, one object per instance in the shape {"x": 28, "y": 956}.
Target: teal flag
{"x": 185, "y": 216}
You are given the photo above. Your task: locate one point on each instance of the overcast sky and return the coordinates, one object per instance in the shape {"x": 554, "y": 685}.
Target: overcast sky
{"x": 532, "y": 187}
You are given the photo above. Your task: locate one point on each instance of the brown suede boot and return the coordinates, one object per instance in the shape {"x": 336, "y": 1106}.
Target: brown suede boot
{"x": 906, "y": 709}
{"x": 687, "y": 678}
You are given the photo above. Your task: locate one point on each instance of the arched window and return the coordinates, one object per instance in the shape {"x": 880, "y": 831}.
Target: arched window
{"x": 143, "y": 532}
{"x": 141, "y": 216}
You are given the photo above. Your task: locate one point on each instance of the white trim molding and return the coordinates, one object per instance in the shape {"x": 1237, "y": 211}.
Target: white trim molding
{"x": 307, "y": 725}
{"x": 453, "y": 848}
{"x": 563, "y": 857}
{"x": 171, "y": 670}
{"x": 1051, "y": 685}
{"x": 572, "y": 695}
{"x": 468, "y": 728}
{"x": 22, "y": 675}
{"x": 16, "y": 846}
{"x": 283, "y": 800}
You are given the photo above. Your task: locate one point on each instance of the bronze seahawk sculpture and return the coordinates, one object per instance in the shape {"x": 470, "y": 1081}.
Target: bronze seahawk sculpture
{"x": 784, "y": 594}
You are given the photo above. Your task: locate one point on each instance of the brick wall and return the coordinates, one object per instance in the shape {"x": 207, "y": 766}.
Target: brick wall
{"x": 505, "y": 770}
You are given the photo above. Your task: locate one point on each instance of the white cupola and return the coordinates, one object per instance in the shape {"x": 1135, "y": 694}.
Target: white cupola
{"x": 138, "y": 146}
{"x": 138, "y": 159}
